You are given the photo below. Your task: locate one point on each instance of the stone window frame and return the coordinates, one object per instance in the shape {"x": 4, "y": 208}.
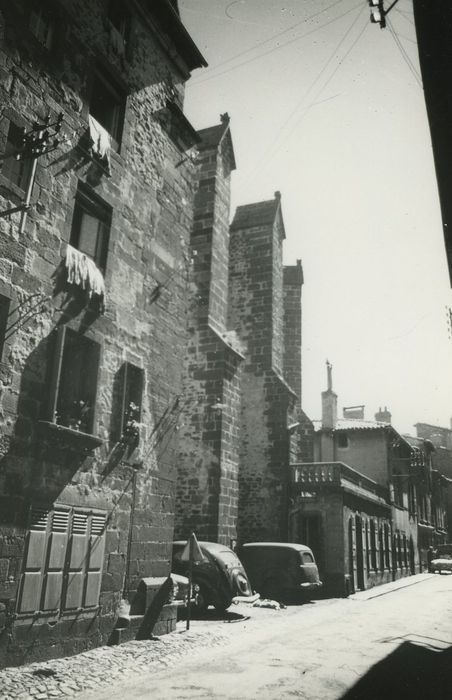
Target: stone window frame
{"x": 5, "y": 306}
{"x": 89, "y": 202}
{"x": 44, "y": 14}
{"x": 103, "y": 79}
{"x": 132, "y": 392}
{"x": 57, "y": 374}
{"x": 63, "y": 561}
{"x": 12, "y": 317}
{"x": 120, "y": 17}
{"x": 12, "y": 117}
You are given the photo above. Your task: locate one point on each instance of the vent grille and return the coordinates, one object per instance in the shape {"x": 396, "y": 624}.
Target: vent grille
{"x": 97, "y": 524}
{"x": 79, "y": 523}
{"x": 60, "y": 520}
{"x": 39, "y": 519}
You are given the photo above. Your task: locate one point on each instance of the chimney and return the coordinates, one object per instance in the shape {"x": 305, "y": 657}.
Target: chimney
{"x": 353, "y": 412}
{"x": 329, "y": 401}
{"x": 383, "y": 416}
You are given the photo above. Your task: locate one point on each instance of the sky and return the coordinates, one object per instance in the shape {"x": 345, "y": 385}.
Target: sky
{"x": 329, "y": 109}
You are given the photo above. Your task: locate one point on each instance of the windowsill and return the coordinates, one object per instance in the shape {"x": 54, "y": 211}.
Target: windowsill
{"x": 83, "y": 442}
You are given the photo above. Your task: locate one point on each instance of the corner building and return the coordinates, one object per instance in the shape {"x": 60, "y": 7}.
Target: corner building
{"x": 93, "y": 298}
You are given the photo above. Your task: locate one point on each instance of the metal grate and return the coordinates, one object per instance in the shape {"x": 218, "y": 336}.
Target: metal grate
{"x": 97, "y": 524}
{"x": 79, "y": 524}
{"x": 60, "y": 520}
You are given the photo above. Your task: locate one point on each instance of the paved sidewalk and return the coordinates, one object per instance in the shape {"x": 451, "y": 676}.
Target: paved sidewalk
{"x": 386, "y": 588}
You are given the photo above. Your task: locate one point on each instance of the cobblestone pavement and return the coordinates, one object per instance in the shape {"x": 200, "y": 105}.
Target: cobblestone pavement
{"x": 99, "y": 668}
{"x": 75, "y": 675}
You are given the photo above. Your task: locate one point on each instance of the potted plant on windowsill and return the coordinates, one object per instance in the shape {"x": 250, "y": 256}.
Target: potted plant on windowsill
{"x": 72, "y": 427}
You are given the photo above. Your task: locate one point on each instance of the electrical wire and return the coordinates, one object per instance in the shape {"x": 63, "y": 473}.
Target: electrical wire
{"x": 274, "y": 148}
{"x": 265, "y": 41}
{"x": 195, "y": 82}
{"x": 404, "y": 54}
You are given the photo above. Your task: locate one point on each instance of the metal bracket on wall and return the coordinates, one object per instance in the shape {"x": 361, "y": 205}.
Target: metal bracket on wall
{"x": 41, "y": 139}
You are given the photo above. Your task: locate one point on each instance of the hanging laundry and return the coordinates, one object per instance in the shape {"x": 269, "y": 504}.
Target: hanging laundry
{"x": 83, "y": 271}
{"x": 100, "y": 142}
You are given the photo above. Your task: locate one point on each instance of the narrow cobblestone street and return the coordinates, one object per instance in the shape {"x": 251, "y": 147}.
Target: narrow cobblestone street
{"x": 318, "y": 650}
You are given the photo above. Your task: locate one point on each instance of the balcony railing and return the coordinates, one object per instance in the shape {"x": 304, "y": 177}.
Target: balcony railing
{"x": 317, "y": 474}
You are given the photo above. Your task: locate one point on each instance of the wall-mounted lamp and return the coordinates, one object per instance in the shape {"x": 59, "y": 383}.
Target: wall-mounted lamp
{"x": 292, "y": 426}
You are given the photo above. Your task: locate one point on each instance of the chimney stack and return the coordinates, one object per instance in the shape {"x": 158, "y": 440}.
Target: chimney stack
{"x": 329, "y": 401}
{"x": 383, "y": 416}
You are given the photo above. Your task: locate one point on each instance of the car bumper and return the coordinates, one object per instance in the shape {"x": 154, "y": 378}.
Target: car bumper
{"x": 311, "y": 585}
{"x": 246, "y": 598}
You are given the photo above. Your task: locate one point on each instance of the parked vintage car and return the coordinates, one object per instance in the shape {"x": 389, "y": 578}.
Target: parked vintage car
{"x": 442, "y": 560}
{"x": 179, "y": 591}
{"x": 220, "y": 577}
{"x": 285, "y": 571}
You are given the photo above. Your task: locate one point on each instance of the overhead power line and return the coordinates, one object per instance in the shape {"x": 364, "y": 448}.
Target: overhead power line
{"x": 270, "y": 38}
{"x": 271, "y": 151}
{"x": 404, "y": 54}
{"x": 196, "y": 82}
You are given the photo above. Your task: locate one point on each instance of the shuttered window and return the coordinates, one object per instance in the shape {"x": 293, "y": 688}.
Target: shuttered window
{"x": 63, "y": 561}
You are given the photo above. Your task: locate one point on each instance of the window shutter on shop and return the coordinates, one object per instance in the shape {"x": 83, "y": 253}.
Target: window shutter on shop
{"x": 29, "y": 600}
{"x": 57, "y": 546}
{"x": 63, "y": 561}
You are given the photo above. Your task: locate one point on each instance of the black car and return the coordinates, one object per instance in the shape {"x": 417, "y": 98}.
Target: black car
{"x": 220, "y": 577}
{"x": 286, "y": 571}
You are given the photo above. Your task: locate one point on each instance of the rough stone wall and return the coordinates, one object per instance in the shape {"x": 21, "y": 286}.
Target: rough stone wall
{"x": 207, "y": 491}
{"x": 256, "y": 298}
{"x": 150, "y": 194}
{"x": 302, "y": 437}
{"x": 293, "y": 281}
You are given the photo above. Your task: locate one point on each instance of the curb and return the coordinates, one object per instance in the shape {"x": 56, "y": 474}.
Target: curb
{"x": 391, "y": 587}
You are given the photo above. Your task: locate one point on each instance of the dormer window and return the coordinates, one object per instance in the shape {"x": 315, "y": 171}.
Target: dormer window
{"x": 42, "y": 25}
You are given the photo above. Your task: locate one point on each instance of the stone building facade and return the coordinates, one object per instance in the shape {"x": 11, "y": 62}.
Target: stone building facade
{"x": 355, "y": 505}
{"x": 93, "y": 298}
{"x": 242, "y": 420}
{"x": 261, "y": 306}
{"x": 207, "y": 485}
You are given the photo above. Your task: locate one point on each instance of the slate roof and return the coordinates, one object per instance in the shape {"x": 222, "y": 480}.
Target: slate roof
{"x": 257, "y": 214}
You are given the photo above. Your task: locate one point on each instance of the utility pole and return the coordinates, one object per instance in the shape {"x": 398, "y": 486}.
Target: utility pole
{"x": 378, "y": 12}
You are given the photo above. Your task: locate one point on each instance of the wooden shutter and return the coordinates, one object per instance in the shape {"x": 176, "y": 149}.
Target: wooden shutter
{"x": 29, "y": 600}
{"x": 53, "y": 584}
{"x": 95, "y": 560}
{"x": 78, "y": 552}
{"x": 365, "y": 545}
{"x": 377, "y": 545}
{"x": 353, "y": 563}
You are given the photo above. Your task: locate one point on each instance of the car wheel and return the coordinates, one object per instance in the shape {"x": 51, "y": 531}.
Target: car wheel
{"x": 222, "y": 606}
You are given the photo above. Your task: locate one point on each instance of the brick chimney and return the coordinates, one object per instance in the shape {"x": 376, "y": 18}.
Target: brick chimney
{"x": 329, "y": 401}
{"x": 383, "y": 416}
